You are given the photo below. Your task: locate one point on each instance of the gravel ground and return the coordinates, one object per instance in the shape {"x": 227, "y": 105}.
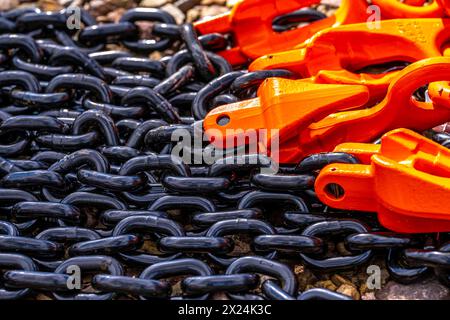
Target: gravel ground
{"x": 352, "y": 283}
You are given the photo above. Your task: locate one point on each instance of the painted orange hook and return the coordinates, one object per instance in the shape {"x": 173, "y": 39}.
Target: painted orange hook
{"x": 337, "y": 55}
{"x": 406, "y": 180}
{"x": 308, "y": 118}
{"x": 250, "y": 25}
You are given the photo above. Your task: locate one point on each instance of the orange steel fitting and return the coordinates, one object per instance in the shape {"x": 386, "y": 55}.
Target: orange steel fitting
{"x": 406, "y": 180}
{"x": 250, "y": 24}
{"x": 308, "y": 118}
{"x": 288, "y": 106}
{"x": 335, "y": 55}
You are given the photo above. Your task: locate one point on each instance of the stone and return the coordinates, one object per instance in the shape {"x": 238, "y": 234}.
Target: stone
{"x": 47, "y": 5}
{"x": 176, "y": 289}
{"x": 241, "y": 244}
{"x": 104, "y": 7}
{"x": 113, "y": 46}
{"x": 155, "y": 55}
{"x": 334, "y": 3}
{"x": 304, "y": 277}
{"x": 342, "y": 250}
{"x": 145, "y": 29}
{"x": 175, "y": 12}
{"x": 231, "y": 3}
{"x": 8, "y": 4}
{"x": 42, "y": 296}
{"x": 309, "y": 287}
{"x": 210, "y": 2}
{"x": 384, "y": 276}
{"x": 102, "y": 19}
{"x": 349, "y": 290}
{"x": 327, "y": 284}
{"x": 339, "y": 280}
{"x": 213, "y": 10}
{"x": 114, "y": 16}
{"x": 153, "y": 3}
{"x": 193, "y": 14}
{"x": 428, "y": 289}
{"x": 368, "y": 296}
{"x": 363, "y": 289}
{"x": 298, "y": 269}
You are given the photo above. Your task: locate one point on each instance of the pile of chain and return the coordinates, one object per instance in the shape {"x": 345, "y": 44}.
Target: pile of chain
{"x": 88, "y": 178}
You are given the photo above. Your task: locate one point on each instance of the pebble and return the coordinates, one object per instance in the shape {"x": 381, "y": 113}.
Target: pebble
{"x": 298, "y": 269}
{"x": 349, "y": 290}
{"x": 364, "y": 289}
{"x": 369, "y": 296}
{"x": 155, "y": 55}
{"x": 339, "y": 280}
{"x": 185, "y": 5}
{"x": 175, "y": 12}
{"x": 326, "y": 284}
{"x": 114, "y": 16}
{"x": 153, "y": 3}
{"x": 428, "y": 289}
{"x": 212, "y": 10}
{"x": 340, "y": 247}
{"x": 304, "y": 277}
{"x": 193, "y": 14}
{"x": 219, "y": 296}
{"x": 145, "y": 29}
{"x": 46, "y": 5}
{"x": 176, "y": 289}
{"x": 8, "y": 4}
{"x": 104, "y": 7}
{"x": 42, "y": 296}
{"x": 210, "y": 2}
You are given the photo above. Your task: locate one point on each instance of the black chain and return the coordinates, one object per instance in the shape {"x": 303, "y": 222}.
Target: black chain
{"x": 88, "y": 179}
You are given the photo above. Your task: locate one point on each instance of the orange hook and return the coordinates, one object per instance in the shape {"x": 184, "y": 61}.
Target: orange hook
{"x": 406, "y": 181}
{"x": 309, "y": 117}
{"x": 282, "y": 104}
{"x": 336, "y": 55}
{"x": 250, "y": 25}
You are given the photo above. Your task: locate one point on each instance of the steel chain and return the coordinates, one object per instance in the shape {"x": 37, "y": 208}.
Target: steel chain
{"x": 88, "y": 179}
